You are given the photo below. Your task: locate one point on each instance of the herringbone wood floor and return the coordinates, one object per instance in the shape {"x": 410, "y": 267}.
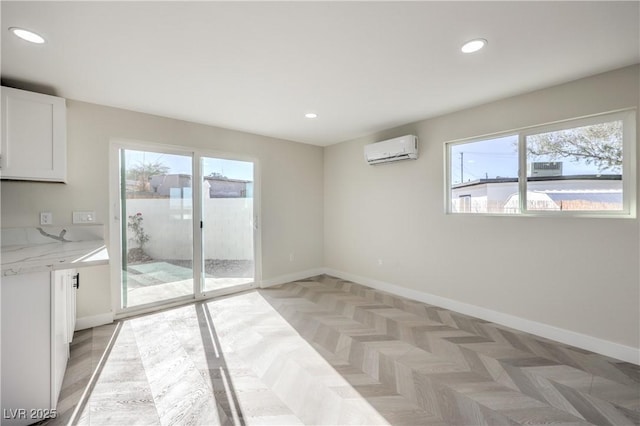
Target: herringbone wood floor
{"x": 328, "y": 351}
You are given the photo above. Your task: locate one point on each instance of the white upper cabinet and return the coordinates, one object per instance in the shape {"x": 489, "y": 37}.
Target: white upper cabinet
{"x": 34, "y": 136}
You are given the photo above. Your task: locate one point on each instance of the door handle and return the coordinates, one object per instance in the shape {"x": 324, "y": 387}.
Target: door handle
{"x": 76, "y": 280}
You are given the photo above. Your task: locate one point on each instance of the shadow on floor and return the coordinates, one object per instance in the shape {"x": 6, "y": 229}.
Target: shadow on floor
{"x": 224, "y": 392}
{"x": 72, "y": 402}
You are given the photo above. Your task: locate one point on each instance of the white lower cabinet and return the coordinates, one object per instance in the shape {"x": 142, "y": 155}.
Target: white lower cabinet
{"x": 38, "y": 317}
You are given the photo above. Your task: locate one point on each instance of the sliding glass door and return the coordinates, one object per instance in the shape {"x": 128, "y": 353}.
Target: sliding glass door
{"x": 227, "y": 224}
{"x": 156, "y": 226}
{"x": 185, "y": 225}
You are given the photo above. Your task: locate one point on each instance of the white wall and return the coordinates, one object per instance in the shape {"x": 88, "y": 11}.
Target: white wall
{"x": 290, "y": 177}
{"x": 577, "y": 274}
{"x": 228, "y": 230}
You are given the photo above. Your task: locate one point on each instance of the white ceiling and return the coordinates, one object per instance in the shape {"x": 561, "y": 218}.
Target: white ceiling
{"x": 362, "y": 66}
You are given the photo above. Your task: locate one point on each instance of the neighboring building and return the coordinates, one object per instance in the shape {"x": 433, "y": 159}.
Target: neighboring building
{"x": 167, "y": 185}
{"x": 483, "y": 195}
{"x": 132, "y": 185}
{"x": 173, "y": 185}
{"x": 223, "y": 187}
{"x": 578, "y": 192}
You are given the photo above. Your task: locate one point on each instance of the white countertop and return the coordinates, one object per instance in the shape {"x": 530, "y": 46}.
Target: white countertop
{"x": 53, "y": 249}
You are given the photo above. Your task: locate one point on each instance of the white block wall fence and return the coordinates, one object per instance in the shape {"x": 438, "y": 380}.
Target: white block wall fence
{"x": 228, "y": 229}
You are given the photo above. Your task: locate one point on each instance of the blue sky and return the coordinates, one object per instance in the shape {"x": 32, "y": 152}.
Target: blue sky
{"x": 182, "y": 164}
{"x": 498, "y": 157}
{"x": 486, "y": 159}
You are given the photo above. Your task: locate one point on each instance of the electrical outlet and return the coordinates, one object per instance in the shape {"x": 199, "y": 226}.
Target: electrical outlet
{"x": 46, "y": 218}
{"x": 84, "y": 217}
{"x": 291, "y": 257}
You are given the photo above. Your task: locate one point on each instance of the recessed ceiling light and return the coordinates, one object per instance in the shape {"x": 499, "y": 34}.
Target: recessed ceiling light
{"x": 473, "y": 45}
{"x": 311, "y": 115}
{"x": 27, "y": 35}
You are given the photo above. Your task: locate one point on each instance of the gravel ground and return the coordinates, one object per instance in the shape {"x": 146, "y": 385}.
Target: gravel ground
{"x": 220, "y": 268}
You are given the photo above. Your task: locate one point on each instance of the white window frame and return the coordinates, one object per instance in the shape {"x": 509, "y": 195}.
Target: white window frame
{"x": 629, "y": 202}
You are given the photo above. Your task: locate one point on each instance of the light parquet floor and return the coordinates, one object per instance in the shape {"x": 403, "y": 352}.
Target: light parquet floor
{"x": 328, "y": 351}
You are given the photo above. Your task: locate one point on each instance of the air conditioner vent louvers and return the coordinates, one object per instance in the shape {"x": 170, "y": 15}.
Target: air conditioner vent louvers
{"x": 542, "y": 168}
{"x": 402, "y": 148}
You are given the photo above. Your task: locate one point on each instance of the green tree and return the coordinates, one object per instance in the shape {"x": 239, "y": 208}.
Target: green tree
{"x": 141, "y": 172}
{"x": 598, "y": 144}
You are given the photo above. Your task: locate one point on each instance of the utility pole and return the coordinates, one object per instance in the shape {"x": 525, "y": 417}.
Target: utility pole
{"x": 461, "y": 167}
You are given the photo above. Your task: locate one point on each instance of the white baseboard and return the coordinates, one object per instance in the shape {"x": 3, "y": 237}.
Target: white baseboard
{"x": 94, "y": 321}
{"x": 590, "y": 343}
{"x": 283, "y": 279}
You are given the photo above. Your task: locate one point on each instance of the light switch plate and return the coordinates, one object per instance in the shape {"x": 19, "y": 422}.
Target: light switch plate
{"x": 84, "y": 217}
{"x": 46, "y": 218}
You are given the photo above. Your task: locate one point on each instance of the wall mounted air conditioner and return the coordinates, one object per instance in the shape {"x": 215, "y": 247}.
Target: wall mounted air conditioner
{"x": 402, "y": 148}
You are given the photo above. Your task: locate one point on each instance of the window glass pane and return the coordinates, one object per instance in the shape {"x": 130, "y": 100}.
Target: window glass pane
{"x": 157, "y": 237}
{"x": 228, "y": 215}
{"x": 484, "y": 175}
{"x": 578, "y": 169}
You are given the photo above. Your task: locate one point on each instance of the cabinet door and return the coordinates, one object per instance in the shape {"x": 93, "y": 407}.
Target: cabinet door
{"x": 74, "y": 279}
{"x": 59, "y": 343}
{"x": 34, "y": 139}
{"x": 26, "y": 344}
